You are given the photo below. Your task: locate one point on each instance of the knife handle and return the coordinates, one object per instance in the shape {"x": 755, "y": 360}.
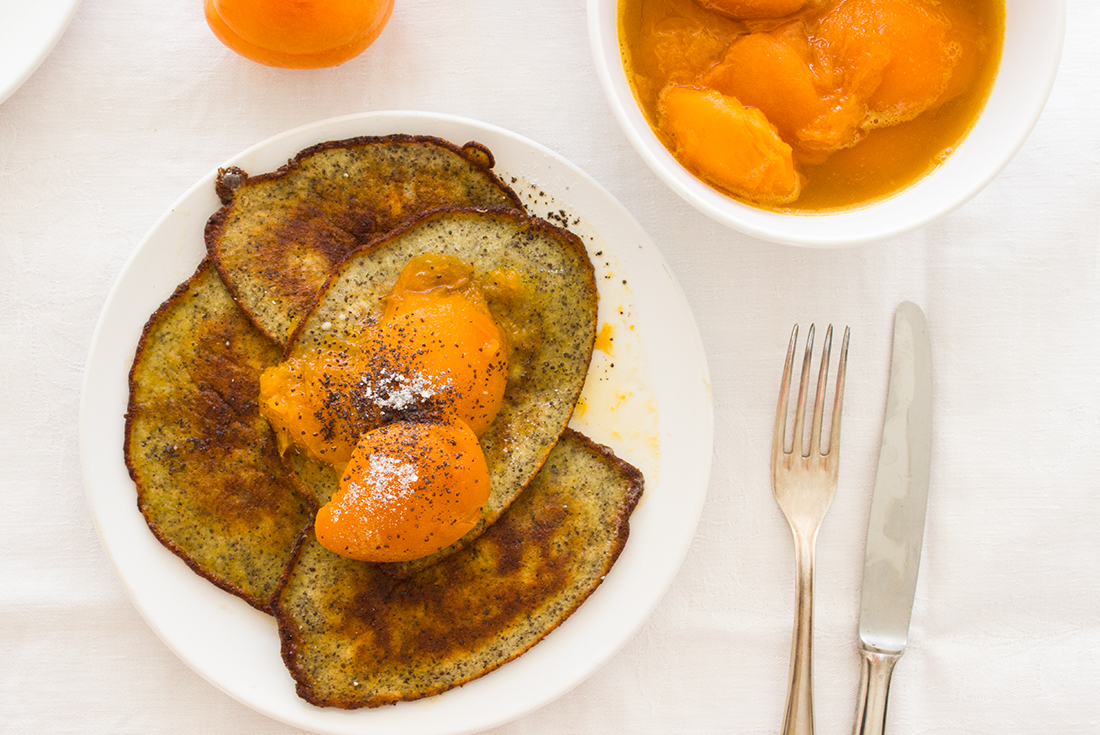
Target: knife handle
{"x": 875, "y": 671}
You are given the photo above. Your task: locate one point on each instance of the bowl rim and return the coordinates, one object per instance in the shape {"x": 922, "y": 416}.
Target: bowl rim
{"x": 976, "y": 162}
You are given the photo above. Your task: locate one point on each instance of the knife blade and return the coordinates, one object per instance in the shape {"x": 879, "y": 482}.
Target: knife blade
{"x": 895, "y": 529}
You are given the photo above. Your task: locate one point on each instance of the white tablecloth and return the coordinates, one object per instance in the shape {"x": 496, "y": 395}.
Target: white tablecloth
{"x": 138, "y": 101}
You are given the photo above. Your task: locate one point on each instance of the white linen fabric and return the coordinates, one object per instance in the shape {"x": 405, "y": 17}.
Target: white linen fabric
{"x": 139, "y": 100}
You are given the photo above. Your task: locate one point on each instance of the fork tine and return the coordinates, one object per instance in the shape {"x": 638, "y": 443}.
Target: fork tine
{"x": 819, "y": 397}
{"x": 838, "y": 401}
{"x": 779, "y": 441}
{"x": 800, "y": 412}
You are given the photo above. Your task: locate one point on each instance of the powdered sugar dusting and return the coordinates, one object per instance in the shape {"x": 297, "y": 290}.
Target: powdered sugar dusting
{"x": 387, "y": 480}
{"x": 396, "y": 391}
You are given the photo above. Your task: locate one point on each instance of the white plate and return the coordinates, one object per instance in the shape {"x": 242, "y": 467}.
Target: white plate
{"x": 653, "y": 407}
{"x": 28, "y": 31}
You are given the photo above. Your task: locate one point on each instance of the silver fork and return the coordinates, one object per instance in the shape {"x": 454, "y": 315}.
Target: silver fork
{"x": 804, "y": 486}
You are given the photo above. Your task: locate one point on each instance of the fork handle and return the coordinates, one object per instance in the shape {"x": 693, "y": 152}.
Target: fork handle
{"x": 876, "y": 668}
{"x": 798, "y": 717}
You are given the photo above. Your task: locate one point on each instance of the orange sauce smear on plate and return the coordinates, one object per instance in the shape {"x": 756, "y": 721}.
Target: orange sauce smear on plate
{"x": 811, "y": 106}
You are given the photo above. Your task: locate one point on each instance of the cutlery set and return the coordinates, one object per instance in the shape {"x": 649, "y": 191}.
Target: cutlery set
{"x": 804, "y": 482}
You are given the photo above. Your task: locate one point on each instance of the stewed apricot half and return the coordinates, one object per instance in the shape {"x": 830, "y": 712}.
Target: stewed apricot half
{"x": 732, "y": 146}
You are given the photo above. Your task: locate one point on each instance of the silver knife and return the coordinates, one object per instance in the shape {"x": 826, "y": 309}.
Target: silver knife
{"x": 895, "y": 530}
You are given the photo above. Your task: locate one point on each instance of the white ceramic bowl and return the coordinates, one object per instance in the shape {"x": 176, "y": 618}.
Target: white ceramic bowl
{"x": 1034, "y": 30}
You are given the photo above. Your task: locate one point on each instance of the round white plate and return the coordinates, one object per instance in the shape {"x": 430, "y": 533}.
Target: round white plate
{"x": 648, "y": 398}
{"x": 28, "y": 31}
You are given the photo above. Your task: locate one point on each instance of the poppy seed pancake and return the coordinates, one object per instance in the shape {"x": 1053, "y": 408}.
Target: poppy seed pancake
{"x": 353, "y": 636}
{"x": 555, "y": 306}
{"x": 209, "y": 479}
{"x": 279, "y": 235}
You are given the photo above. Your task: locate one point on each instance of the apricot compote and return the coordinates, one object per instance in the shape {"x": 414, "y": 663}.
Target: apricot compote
{"x": 409, "y": 489}
{"x": 867, "y": 95}
{"x": 397, "y": 411}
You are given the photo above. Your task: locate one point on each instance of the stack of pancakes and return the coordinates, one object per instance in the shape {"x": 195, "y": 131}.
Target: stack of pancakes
{"x": 303, "y": 255}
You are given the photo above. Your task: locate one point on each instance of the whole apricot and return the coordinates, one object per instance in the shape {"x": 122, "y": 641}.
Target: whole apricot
{"x": 298, "y": 34}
